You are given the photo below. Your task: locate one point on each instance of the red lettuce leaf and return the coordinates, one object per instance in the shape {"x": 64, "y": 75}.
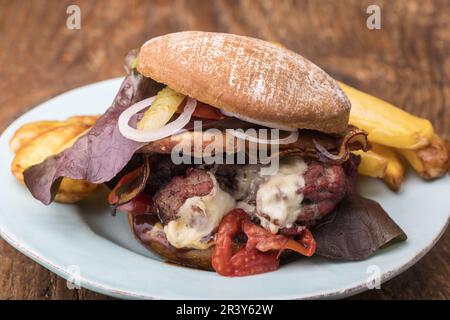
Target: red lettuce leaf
{"x": 355, "y": 230}
{"x": 101, "y": 153}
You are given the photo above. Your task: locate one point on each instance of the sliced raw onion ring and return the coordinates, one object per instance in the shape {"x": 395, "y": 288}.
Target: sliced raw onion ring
{"x": 169, "y": 129}
{"x": 262, "y": 123}
{"x": 291, "y": 138}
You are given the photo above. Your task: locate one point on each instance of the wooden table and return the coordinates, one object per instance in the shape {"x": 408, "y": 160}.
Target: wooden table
{"x": 407, "y": 62}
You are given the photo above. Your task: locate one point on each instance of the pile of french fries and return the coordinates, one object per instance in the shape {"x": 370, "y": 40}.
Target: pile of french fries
{"x": 34, "y": 142}
{"x": 397, "y": 138}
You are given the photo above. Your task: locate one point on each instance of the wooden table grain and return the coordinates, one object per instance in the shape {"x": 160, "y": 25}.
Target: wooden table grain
{"x": 406, "y": 62}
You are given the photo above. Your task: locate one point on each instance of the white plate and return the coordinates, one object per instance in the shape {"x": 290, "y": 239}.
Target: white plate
{"x": 86, "y": 238}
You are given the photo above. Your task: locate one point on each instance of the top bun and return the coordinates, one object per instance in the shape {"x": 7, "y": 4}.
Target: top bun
{"x": 248, "y": 77}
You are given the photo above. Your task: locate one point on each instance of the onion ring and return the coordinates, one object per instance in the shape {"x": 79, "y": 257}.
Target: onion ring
{"x": 262, "y": 123}
{"x": 291, "y": 138}
{"x": 169, "y": 129}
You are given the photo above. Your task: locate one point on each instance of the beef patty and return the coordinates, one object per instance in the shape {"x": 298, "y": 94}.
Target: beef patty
{"x": 325, "y": 186}
{"x": 170, "y": 198}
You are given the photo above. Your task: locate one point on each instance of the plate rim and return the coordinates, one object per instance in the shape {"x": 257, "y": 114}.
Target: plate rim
{"x": 117, "y": 293}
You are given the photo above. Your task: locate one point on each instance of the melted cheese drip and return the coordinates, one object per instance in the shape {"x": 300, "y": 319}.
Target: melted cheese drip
{"x": 198, "y": 217}
{"x": 278, "y": 200}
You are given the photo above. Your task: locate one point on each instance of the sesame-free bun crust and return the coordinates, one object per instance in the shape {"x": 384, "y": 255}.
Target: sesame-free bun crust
{"x": 248, "y": 77}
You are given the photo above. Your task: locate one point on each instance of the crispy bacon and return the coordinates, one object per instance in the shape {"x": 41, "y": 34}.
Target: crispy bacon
{"x": 264, "y": 240}
{"x": 327, "y": 148}
{"x": 261, "y": 251}
{"x": 246, "y": 261}
{"x": 355, "y": 139}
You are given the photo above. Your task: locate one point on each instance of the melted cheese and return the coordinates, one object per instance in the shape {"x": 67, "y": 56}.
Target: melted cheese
{"x": 198, "y": 217}
{"x": 278, "y": 200}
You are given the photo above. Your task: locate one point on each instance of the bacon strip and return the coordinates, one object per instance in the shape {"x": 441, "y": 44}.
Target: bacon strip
{"x": 260, "y": 253}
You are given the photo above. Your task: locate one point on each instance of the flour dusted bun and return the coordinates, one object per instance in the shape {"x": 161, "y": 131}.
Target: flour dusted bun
{"x": 247, "y": 76}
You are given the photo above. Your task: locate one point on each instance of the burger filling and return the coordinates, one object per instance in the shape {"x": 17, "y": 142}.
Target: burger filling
{"x": 192, "y": 205}
{"x": 199, "y": 216}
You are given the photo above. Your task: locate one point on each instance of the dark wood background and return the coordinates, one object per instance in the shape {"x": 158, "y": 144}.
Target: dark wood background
{"x": 407, "y": 62}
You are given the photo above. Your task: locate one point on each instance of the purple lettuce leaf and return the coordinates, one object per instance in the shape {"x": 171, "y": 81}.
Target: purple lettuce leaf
{"x": 355, "y": 230}
{"x": 101, "y": 153}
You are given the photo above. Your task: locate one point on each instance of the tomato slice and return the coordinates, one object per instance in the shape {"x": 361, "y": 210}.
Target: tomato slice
{"x": 262, "y": 239}
{"x": 204, "y": 111}
{"x": 260, "y": 253}
{"x": 251, "y": 261}
{"x": 142, "y": 204}
{"x": 222, "y": 253}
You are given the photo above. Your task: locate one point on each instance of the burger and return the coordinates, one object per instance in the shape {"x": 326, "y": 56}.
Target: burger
{"x": 227, "y": 153}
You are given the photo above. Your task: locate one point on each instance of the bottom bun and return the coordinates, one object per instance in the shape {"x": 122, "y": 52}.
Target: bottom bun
{"x": 143, "y": 227}
{"x": 158, "y": 244}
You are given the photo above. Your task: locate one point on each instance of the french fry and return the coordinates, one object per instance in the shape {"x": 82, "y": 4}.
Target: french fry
{"x": 431, "y": 161}
{"x": 49, "y": 143}
{"x": 30, "y": 131}
{"x": 87, "y": 120}
{"x": 395, "y": 171}
{"x": 385, "y": 123}
{"x": 384, "y": 163}
{"x": 372, "y": 164}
